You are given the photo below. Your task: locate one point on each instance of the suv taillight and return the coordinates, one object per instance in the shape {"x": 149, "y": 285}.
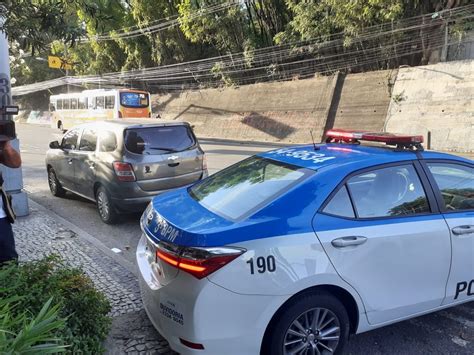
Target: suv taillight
{"x": 124, "y": 171}
{"x": 199, "y": 262}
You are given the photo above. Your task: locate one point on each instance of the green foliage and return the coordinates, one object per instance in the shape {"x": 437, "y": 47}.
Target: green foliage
{"x": 21, "y": 333}
{"x": 84, "y": 308}
{"x": 196, "y": 29}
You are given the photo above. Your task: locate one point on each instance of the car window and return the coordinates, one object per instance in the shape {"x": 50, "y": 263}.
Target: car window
{"x": 340, "y": 204}
{"x": 386, "y": 192}
{"x": 70, "y": 139}
{"x": 242, "y": 188}
{"x": 456, "y": 183}
{"x": 88, "y": 140}
{"x": 66, "y": 103}
{"x": 107, "y": 141}
{"x": 159, "y": 140}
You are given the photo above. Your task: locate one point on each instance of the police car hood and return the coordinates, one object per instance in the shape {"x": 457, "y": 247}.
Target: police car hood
{"x": 177, "y": 218}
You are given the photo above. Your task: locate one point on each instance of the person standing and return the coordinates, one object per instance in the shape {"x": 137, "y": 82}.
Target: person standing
{"x": 10, "y": 158}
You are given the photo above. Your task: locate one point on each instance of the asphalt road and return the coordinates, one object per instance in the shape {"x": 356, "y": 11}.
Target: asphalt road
{"x": 447, "y": 332}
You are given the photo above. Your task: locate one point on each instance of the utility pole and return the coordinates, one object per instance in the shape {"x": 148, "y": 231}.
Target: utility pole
{"x": 67, "y": 67}
{"x": 13, "y": 177}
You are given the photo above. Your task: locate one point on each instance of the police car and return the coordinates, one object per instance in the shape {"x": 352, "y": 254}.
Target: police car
{"x": 292, "y": 250}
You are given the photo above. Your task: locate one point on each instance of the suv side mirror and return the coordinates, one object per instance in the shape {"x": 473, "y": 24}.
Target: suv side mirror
{"x": 54, "y": 145}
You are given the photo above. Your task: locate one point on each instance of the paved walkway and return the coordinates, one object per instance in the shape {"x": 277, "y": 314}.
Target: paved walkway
{"x": 43, "y": 233}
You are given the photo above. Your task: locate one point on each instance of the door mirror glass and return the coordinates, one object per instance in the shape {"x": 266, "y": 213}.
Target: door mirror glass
{"x": 54, "y": 145}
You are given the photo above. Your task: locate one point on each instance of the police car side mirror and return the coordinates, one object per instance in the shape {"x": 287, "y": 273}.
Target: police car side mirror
{"x": 54, "y": 145}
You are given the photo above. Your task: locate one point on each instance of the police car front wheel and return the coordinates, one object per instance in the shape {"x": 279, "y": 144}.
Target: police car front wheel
{"x": 315, "y": 323}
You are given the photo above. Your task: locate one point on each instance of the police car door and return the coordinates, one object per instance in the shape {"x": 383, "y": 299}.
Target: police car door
{"x": 456, "y": 195}
{"x": 380, "y": 233}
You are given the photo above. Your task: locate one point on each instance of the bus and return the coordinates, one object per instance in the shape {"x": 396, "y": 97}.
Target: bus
{"x": 68, "y": 110}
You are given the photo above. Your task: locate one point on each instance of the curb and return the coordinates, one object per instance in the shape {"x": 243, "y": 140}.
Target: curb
{"x": 86, "y": 236}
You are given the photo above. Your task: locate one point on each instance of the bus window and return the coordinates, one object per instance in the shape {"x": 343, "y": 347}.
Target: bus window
{"x": 73, "y": 104}
{"x": 66, "y": 104}
{"x": 109, "y": 102}
{"x": 59, "y": 105}
{"x": 82, "y": 105}
{"x": 99, "y": 102}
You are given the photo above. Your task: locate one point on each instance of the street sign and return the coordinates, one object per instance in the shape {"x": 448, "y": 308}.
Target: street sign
{"x": 58, "y": 63}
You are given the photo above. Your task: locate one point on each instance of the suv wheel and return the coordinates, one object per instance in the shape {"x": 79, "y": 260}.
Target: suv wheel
{"x": 105, "y": 207}
{"x": 54, "y": 184}
{"x": 316, "y": 323}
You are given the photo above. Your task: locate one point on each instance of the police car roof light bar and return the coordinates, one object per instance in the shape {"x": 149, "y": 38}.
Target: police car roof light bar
{"x": 400, "y": 141}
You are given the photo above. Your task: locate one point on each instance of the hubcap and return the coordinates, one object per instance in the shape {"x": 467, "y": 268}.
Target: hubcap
{"x": 316, "y": 332}
{"x": 103, "y": 204}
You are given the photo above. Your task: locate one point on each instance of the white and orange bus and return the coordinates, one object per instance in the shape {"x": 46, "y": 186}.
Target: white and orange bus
{"x": 68, "y": 110}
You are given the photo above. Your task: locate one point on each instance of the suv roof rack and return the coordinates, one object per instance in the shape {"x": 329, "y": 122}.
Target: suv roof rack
{"x": 401, "y": 142}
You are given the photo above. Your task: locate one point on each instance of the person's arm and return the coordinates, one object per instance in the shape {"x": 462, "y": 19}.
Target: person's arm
{"x": 9, "y": 156}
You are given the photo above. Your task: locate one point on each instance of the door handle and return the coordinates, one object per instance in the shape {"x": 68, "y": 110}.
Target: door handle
{"x": 348, "y": 241}
{"x": 69, "y": 161}
{"x": 172, "y": 165}
{"x": 461, "y": 230}
{"x": 92, "y": 165}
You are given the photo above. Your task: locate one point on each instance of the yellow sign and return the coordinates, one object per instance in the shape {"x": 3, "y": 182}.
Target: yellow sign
{"x": 58, "y": 63}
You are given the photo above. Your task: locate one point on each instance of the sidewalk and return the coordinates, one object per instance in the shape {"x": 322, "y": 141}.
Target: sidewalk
{"x": 43, "y": 233}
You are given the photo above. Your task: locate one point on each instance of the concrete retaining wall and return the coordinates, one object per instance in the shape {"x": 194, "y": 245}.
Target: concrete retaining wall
{"x": 274, "y": 112}
{"x": 282, "y": 112}
{"x": 438, "y": 99}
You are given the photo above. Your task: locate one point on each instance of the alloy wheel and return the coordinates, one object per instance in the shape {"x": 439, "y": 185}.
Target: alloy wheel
{"x": 316, "y": 331}
{"x": 103, "y": 205}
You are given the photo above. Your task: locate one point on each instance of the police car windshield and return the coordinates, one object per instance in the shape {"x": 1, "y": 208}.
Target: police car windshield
{"x": 240, "y": 190}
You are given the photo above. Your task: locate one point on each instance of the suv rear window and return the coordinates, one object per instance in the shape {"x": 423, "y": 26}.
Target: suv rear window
{"x": 159, "y": 140}
{"x": 241, "y": 189}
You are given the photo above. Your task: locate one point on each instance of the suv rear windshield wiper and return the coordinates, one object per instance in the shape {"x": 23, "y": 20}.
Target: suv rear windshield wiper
{"x": 165, "y": 149}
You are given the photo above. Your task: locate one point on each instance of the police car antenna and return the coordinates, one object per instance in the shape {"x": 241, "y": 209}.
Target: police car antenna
{"x": 312, "y": 138}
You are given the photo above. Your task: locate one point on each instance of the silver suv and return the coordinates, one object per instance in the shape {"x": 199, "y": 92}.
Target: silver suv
{"x": 121, "y": 165}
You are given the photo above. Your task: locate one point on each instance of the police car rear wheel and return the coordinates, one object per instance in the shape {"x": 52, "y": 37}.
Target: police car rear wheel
{"x": 54, "y": 184}
{"x": 316, "y": 323}
{"x": 105, "y": 208}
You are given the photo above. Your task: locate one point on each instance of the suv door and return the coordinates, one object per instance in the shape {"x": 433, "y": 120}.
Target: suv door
{"x": 455, "y": 184}
{"x": 163, "y": 157}
{"x": 85, "y": 163}
{"x": 384, "y": 238}
{"x": 64, "y": 163}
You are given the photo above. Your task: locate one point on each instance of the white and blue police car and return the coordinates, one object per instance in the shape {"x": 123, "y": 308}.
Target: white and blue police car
{"x": 290, "y": 251}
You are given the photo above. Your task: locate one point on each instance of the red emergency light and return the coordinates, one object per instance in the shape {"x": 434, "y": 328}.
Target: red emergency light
{"x": 346, "y": 136}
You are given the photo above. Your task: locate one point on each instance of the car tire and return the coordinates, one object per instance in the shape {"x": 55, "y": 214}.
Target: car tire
{"x": 105, "y": 207}
{"x": 54, "y": 184}
{"x": 314, "y": 321}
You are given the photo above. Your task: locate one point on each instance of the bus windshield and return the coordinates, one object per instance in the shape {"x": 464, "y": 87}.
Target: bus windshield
{"x": 134, "y": 99}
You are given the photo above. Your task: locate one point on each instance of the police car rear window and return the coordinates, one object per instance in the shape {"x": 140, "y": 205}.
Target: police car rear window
{"x": 245, "y": 187}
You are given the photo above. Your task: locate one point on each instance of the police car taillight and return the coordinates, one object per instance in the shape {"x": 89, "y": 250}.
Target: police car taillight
{"x": 124, "y": 171}
{"x": 199, "y": 262}
{"x": 346, "y": 136}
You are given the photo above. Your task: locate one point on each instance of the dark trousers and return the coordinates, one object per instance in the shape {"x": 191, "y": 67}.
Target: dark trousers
{"x": 7, "y": 242}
